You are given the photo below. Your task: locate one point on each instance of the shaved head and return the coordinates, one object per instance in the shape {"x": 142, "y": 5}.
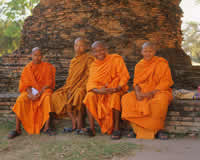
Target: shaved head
{"x": 36, "y": 55}
{"x": 35, "y": 49}
{"x": 149, "y": 44}
{"x": 98, "y": 44}
{"x": 80, "y": 39}
{"x": 80, "y": 46}
{"x": 99, "y": 50}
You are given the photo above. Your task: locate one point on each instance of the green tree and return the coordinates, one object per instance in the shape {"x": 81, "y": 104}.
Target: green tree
{"x": 12, "y": 16}
{"x": 198, "y": 1}
{"x": 191, "y": 42}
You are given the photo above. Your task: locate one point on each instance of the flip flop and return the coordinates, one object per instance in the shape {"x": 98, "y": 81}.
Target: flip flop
{"x": 13, "y": 134}
{"x": 68, "y": 130}
{"x": 116, "y": 135}
{"x": 79, "y": 132}
{"x": 87, "y": 132}
{"x": 131, "y": 135}
{"x": 49, "y": 132}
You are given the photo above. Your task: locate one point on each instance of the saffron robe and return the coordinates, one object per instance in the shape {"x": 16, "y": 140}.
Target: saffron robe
{"x": 34, "y": 114}
{"x": 69, "y": 98}
{"x": 110, "y": 72}
{"x": 148, "y": 115}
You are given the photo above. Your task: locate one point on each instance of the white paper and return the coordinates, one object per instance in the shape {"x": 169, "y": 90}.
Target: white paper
{"x": 34, "y": 91}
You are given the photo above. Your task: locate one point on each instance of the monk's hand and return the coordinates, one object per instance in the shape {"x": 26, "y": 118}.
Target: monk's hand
{"x": 151, "y": 94}
{"x": 148, "y": 95}
{"x": 43, "y": 89}
{"x": 36, "y": 97}
{"x": 139, "y": 96}
{"x": 118, "y": 89}
{"x": 104, "y": 90}
{"x": 138, "y": 93}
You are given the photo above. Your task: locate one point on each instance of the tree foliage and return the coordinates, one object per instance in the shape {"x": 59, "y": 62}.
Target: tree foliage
{"x": 198, "y": 1}
{"x": 191, "y": 43}
{"x": 12, "y": 16}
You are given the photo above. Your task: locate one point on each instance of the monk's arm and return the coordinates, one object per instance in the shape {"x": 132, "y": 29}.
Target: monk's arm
{"x": 44, "y": 88}
{"x": 103, "y": 90}
{"x": 165, "y": 78}
{"x": 138, "y": 93}
{"x": 50, "y": 83}
{"x": 122, "y": 73}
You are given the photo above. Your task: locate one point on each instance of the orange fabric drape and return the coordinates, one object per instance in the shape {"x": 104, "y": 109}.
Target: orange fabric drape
{"x": 34, "y": 114}
{"x": 110, "y": 72}
{"x": 70, "y": 96}
{"x": 149, "y": 113}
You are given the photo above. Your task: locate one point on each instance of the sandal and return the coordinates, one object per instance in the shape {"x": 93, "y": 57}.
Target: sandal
{"x": 116, "y": 135}
{"x": 88, "y": 132}
{"x": 162, "y": 135}
{"x": 13, "y": 134}
{"x": 49, "y": 132}
{"x": 68, "y": 130}
{"x": 131, "y": 135}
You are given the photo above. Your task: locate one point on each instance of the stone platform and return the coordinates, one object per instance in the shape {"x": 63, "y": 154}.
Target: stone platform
{"x": 183, "y": 115}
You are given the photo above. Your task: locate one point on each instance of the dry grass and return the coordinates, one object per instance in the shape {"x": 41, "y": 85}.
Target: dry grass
{"x": 62, "y": 146}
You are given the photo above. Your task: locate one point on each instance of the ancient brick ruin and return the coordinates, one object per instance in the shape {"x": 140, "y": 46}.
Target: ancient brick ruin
{"x": 124, "y": 25}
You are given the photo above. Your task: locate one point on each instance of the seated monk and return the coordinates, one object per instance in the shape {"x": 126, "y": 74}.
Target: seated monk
{"x": 32, "y": 107}
{"x": 146, "y": 107}
{"x": 69, "y": 98}
{"x": 107, "y": 82}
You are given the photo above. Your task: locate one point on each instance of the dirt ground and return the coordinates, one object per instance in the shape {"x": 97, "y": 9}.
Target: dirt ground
{"x": 172, "y": 149}
{"x": 76, "y": 147}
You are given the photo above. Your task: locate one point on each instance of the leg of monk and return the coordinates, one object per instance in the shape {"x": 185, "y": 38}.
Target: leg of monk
{"x": 91, "y": 106}
{"x": 72, "y": 116}
{"x": 46, "y": 126}
{"x": 116, "y": 119}
{"x": 91, "y": 121}
{"x": 18, "y": 125}
{"x": 80, "y": 118}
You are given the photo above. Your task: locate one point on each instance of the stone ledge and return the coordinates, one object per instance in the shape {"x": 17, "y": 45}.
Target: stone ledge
{"x": 183, "y": 115}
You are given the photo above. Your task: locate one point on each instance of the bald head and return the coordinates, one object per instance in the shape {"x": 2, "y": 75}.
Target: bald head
{"x": 36, "y": 55}
{"x": 99, "y": 50}
{"x": 80, "y": 45}
{"x": 149, "y": 44}
{"x": 148, "y": 50}
{"x": 35, "y": 49}
{"x": 79, "y": 39}
{"x": 98, "y": 44}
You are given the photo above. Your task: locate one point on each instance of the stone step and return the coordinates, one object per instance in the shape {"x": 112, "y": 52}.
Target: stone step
{"x": 183, "y": 115}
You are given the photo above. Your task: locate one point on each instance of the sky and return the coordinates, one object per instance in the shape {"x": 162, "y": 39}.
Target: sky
{"x": 191, "y": 11}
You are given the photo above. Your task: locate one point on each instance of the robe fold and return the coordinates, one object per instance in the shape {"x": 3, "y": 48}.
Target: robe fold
{"x": 34, "y": 114}
{"x": 69, "y": 98}
{"x": 148, "y": 115}
{"x": 110, "y": 72}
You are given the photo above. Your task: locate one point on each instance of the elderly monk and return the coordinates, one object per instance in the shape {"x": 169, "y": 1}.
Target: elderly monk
{"x": 146, "y": 107}
{"x": 69, "y": 98}
{"x": 32, "y": 107}
{"x": 107, "y": 81}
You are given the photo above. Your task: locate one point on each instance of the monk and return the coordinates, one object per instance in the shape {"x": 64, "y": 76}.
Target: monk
{"x": 146, "y": 107}
{"x": 32, "y": 107}
{"x": 69, "y": 98}
{"x": 107, "y": 82}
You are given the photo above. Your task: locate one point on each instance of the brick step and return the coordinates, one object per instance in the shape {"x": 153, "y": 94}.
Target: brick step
{"x": 183, "y": 115}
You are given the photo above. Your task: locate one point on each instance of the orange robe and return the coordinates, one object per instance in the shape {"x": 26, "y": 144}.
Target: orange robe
{"x": 34, "y": 114}
{"x": 110, "y": 72}
{"x": 70, "y": 97}
{"x": 148, "y": 116}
